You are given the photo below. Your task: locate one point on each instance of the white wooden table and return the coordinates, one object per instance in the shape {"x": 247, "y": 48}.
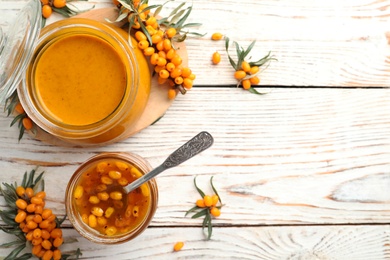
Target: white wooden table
{"x": 304, "y": 171}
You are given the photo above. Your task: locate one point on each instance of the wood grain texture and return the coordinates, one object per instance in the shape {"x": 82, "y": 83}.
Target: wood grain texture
{"x": 317, "y": 43}
{"x": 268, "y": 243}
{"x": 293, "y": 156}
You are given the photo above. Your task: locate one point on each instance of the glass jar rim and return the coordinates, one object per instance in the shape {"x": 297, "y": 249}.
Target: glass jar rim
{"x": 17, "y": 46}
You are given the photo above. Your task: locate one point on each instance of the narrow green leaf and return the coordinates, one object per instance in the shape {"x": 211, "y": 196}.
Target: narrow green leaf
{"x": 190, "y": 25}
{"x": 30, "y": 179}
{"x": 248, "y": 50}
{"x": 254, "y": 91}
{"x": 24, "y": 181}
{"x": 202, "y": 194}
{"x": 191, "y": 210}
{"x": 180, "y": 23}
{"x": 214, "y": 189}
{"x": 175, "y": 18}
{"x": 209, "y": 227}
{"x": 200, "y": 213}
{"x": 174, "y": 11}
{"x": 60, "y": 221}
{"x": 17, "y": 118}
{"x": 145, "y": 31}
{"x": 25, "y": 256}
{"x": 15, "y": 252}
{"x": 13, "y": 243}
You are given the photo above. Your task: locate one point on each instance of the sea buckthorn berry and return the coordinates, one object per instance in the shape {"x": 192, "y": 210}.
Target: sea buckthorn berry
{"x": 122, "y": 166}
{"x": 44, "y": 224}
{"x": 246, "y": 84}
{"x": 57, "y": 254}
{"x": 245, "y": 66}
{"x": 162, "y": 54}
{"x": 179, "y": 80}
{"x": 145, "y": 190}
{"x": 161, "y": 61}
{"x": 21, "y": 204}
{"x": 215, "y": 212}
{"x": 214, "y": 200}
{"x": 31, "y": 208}
{"x": 136, "y": 24}
{"x": 186, "y": 72}
{"x": 254, "y": 70}
{"x": 37, "y": 218}
{"x": 176, "y": 60}
{"x": 97, "y": 211}
{"x": 207, "y": 200}
{"x": 102, "y": 166}
{"x": 140, "y": 36}
{"x": 176, "y": 73}
{"x": 84, "y": 218}
{"x": 36, "y": 249}
{"x": 20, "y": 217}
{"x": 154, "y": 58}
{"x": 160, "y": 46}
{"x": 216, "y": 36}
{"x": 106, "y": 180}
{"x": 55, "y": 233}
{"x": 110, "y": 231}
{"x": 102, "y": 221}
{"x": 135, "y": 211}
{"x": 143, "y": 7}
{"x": 103, "y": 196}
{"x": 143, "y": 44}
{"x": 187, "y": 83}
{"x": 41, "y": 253}
{"x": 29, "y": 192}
{"x": 47, "y": 213}
{"x": 45, "y": 2}
{"x": 45, "y": 234}
{"x": 116, "y": 195}
{"x": 151, "y": 30}
{"x": 170, "y": 66}
{"x": 178, "y": 246}
{"x": 149, "y": 51}
{"x": 78, "y": 192}
{"x": 192, "y": 76}
{"x": 171, "y": 32}
{"x": 94, "y": 199}
{"x": 160, "y": 32}
{"x": 254, "y": 80}
{"x": 115, "y": 175}
{"x": 38, "y": 209}
{"x": 46, "y": 244}
{"x": 31, "y": 224}
{"x": 216, "y": 58}
{"x": 47, "y": 255}
{"x": 20, "y": 191}
{"x": 122, "y": 181}
{"x": 41, "y": 194}
{"x": 35, "y": 200}
{"x": 170, "y": 54}
{"x": 151, "y": 20}
{"x": 171, "y": 94}
{"x": 29, "y": 236}
{"x": 163, "y": 74}
{"x": 167, "y": 44}
{"x": 109, "y": 211}
{"x": 19, "y": 109}
{"x": 240, "y": 74}
{"x": 200, "y": 203}
{"x": 157, "y": 69}
{"x": 46, "y": 11}
{"x": 156, "y": 39}
{"x": 92, "y": 221}
{"x": 59, "y": 3}
{"x": 142, "y": 16}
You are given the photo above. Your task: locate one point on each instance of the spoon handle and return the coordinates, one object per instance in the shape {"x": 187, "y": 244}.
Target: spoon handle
{"x": 196, "y": 145}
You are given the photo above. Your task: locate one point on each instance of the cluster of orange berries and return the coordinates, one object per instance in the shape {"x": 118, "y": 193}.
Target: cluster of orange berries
{"x": 38, "y": 224}
{"x": 211, "y": 203}
{"x": 160, "y": 51}
{"x": 47, "y": 6}
{"x": 246, "y": 75}
{"x": 26, "y": 121}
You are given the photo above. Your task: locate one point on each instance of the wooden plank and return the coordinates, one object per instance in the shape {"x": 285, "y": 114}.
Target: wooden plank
{"x": 309, "y": 242}
{"x": 317, "y": 43}
{"x": 293, "y": 156}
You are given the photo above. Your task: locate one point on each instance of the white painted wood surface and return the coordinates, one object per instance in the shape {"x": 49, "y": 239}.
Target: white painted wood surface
{"x": 304, "y": 172}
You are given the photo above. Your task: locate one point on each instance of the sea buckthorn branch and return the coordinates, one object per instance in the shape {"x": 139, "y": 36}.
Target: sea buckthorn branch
{"x": 13, "y": 107}
{"x": 246, "y": 72}
{"x": 156, "y": 37}
{"x": 63, "y": 7}
{"x": 30, "y": 221}
{"x": 207, "y": 207}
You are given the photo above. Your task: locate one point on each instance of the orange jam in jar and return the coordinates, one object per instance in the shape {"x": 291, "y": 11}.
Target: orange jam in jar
{"x": 99, "y": 206}
{"x": 85, "y": 84}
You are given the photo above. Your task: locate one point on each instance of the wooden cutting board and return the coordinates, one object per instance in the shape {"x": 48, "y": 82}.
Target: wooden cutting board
{"x": 158, "y": 102}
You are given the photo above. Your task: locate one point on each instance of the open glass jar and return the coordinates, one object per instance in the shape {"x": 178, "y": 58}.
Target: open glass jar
{"x": 80, "y": 81}
{"x": 99, "y": 207}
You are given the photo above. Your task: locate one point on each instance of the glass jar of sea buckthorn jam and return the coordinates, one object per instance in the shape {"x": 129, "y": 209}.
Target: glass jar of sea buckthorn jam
{"x": 79, "y": 80}
{"x": 98, "y": 205}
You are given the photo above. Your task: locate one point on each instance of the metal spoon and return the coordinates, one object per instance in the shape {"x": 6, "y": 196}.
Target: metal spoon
{"x": 196, "y": 145}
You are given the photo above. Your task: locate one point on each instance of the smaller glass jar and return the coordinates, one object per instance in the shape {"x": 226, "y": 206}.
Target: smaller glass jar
{"x": 97, "y": 204}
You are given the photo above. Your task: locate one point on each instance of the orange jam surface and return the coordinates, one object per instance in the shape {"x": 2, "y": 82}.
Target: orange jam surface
{"x": 80, "y": 79}
{"x": 103, "y": 203}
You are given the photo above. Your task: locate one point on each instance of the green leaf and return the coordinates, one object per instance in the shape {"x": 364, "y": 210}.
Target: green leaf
{"x": 248, "y": 50}
{"x": 174, "y": 11}
{"x": 254, "y": 91}
{"x": 25, "y": 256}
{"x": 209, "y": 227}
{"x": 200, "y": 213}
{"x": 59, "y": 221}
{"x": 202, "y": 194}
{"x": 175, "y": 18}
{"x": 191, "y": 210}
{"x": 214, "y": 189}
{"x": 24, "y": 181}
{"x": 180, "y": 23}
{"x": 15, "y": 252}
{"x": 17, "y": 118}
{"x": 13, "y": 243}
{"x": 145, "y": 31}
